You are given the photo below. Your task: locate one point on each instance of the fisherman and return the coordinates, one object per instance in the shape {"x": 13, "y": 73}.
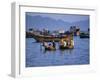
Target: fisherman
{"x": 61, "y": 42}
{"x": 53, "y": 43}
{"x": 65, "y": 43}
{"x": 50, "y": 46}
{"x": 68, "y": 43}
{"x": 45, "y": 44}
{"x": 72, "y": 43}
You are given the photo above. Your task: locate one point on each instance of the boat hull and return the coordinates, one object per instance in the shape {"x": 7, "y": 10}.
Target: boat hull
{"x": 84, "y": 36}
{"x": 42, "y": 38}
{"x": 67, "y": 47}
{"x": 50, "y": 49}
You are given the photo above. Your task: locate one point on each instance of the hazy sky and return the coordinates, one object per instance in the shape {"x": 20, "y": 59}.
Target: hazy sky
{"x": 65, "y": 17}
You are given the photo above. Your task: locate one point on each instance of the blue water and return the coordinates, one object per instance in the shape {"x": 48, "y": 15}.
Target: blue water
{"x": 36, "y": 56}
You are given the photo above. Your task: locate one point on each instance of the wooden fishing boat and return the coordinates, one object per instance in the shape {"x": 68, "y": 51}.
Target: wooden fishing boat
{"x": 84, "y": 35}
{"x": 50, "y": 38}
{"x": 66, "y": 44}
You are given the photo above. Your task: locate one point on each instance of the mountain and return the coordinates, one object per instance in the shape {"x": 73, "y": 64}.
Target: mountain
{"x": 40, "y": 22}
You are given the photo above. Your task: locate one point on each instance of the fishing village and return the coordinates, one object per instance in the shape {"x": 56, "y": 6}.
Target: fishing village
{"x": 65, "y": 38}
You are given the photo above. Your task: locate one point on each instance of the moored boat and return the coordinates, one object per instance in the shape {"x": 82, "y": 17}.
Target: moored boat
{"x": 84, "y": 35}
{"x": 49, "y": 38}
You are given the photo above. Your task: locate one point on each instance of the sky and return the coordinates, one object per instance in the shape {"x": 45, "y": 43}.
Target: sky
{"x": 56, "y": 21}
{"x": 65, "y": 17}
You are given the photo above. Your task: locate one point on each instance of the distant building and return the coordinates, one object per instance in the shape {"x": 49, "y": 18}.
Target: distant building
{"x": 61, "y": 31}
{"x": 75, "y": 30}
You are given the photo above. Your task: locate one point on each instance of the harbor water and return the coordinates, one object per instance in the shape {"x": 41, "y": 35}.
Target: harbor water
{"x": 36, "y": 56}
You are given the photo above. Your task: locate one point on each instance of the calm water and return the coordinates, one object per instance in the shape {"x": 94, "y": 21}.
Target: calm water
{"x": 36, "y": 55}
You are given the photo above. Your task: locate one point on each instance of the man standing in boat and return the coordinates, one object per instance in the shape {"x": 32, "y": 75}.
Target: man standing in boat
{"x": 53, "y": 43}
